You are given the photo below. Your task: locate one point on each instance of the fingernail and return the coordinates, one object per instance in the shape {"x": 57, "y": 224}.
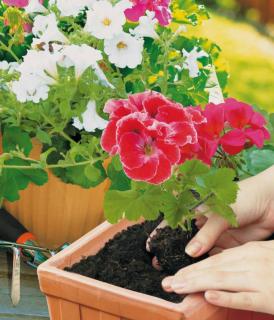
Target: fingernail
{"x": 212, "y": 295}
{"x": 193, "y": 248}
{"x": 166, "y": 283}
{"x": 179, "y": 286}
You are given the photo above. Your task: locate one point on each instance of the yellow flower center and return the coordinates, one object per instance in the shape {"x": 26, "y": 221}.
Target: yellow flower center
{"x": 121, "y": 45}
{"x": 106, "y": 22}
{"x": 148, "y": 150}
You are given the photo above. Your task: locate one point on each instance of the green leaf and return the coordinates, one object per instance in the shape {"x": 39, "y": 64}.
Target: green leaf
{"x": 92, "y": 173}
{"x": 14, "y": 180}
{"x": 14, "y": 138}
{"x": 116, "y": 203}
{"x": 225, "y": 211}
{"x": 77, "y": 175}
{"x": 43, "y": 137}
{"x": 221, "y": 183}
{"x": 194, "y": 168}
{"x": 119, "y": 181}
{"x": 133, "y": 204}
{"x": 259, "y": 160}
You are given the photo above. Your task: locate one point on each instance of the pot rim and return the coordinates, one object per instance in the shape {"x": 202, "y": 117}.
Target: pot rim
{"x": 53, "y": 269}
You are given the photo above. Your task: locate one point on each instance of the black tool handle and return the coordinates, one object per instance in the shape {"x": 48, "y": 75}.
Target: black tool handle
{"x": 10, "y": 228}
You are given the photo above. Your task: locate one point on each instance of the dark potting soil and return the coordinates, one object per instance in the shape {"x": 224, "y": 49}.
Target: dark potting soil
{"x": 124, "y": 261}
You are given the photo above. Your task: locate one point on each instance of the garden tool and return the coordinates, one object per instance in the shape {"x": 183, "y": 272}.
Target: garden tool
{"x": 22, "y": 243}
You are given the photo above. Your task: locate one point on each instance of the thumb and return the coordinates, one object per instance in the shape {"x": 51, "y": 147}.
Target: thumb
{"x": 207, "y": 236}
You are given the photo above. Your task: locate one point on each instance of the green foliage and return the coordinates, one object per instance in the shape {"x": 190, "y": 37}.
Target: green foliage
{"x": 115, "y": 172}
{"x": 12, "y": 180}
{"x": 259, "y": 160}
{"x": 194, "y": 184}
{"x": 15, "y": 139}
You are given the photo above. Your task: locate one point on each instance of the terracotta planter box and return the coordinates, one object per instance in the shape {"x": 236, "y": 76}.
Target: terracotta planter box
{"x": 57, "y": 212}
{"x": 75, "y": 297}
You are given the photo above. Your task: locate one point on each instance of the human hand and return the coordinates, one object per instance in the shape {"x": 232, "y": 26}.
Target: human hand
{"x": 238, "y": 278}
{"x": 254, "y": 209}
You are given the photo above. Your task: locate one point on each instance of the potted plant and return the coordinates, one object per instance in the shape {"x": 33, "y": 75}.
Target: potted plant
{"x": 58, "y": 70}
{"x": 166, "y": 161}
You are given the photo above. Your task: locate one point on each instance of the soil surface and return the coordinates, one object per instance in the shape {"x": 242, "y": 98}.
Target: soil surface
{"x": 124, "y": 261}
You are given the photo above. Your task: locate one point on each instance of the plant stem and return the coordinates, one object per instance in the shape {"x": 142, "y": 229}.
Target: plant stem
{"x": 198, "y": 204}
{"x": 67, "y": 137}
{"x": 7, "y": 49}
{"x": 53, "y": 166}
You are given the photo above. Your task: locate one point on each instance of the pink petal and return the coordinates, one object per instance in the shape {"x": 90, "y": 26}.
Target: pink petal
{"x": 17, "y": 3}
{"x": 207, "y": 150}
{"x": 163, "y": 171}
{"x": 163, "y": 15}
{"x": 257, "y": 120}
{"x": 137, "y": 99}
{"x": 154, "y": 102}
{"x": 132, "y": 150}
{"x": 238, "y": 114}
{"x": 134, "y": 13}
{"x": 144, "y": 173}
{"x": 215, "y": 117}
{"x": 233, "y": 142}
{"x": 132, "y": 123}
{"x": 173, "y": 113}
{"x": 108, "y": 140}
{"x": 196, "y": 115}
{"x": 172, "y": 152}
{"x": 117, "y": 108}
{"x": 181, "y": 134}
{"x": 256, "y": 136}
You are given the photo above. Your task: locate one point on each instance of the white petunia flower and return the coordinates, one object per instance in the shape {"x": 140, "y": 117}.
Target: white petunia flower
{"x": 46, "y": 29}
{"x": 72, "y": 7}
{"x": 191, "y": 62}
{"x": 4, "y": 65}
{"x": 42, "y": 64}
{"x": 35, "y": 6}
{"x": 124, "y": 50}
{"x": 10, "y": 67}
{"x": 90, "y": 119}
{"x": 82, "y": 57}
{"x": 105, "y": 20}
{"x": 30, "y": 88}
{"x": 146, "y": 27}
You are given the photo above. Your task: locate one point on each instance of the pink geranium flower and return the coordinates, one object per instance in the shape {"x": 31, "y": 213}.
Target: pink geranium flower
{"x": 248, "y": 127}
{"x": 159, "y": 7}
{"x": 148, "y": 132}
{"x": 232, "y": 125}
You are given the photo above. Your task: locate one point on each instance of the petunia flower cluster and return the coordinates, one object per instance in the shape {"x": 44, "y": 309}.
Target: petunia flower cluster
{"x": 152, "y": 134}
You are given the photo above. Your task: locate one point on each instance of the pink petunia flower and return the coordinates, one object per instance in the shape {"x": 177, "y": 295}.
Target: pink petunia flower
{"x": 159, "y": 7}
{"x": 17, "y": 3}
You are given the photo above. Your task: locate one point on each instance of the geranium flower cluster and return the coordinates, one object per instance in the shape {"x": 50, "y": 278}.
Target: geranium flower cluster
{"x": 231, "y": 125}
{"x": 148, "y": 131}
{"x": 151, "y": 134}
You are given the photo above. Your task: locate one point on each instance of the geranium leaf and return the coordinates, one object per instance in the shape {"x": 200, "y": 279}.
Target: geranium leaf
{"x": 14, "y": 138}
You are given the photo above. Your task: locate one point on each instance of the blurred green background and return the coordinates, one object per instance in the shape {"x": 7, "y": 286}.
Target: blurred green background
{"x": 244, "y": 31}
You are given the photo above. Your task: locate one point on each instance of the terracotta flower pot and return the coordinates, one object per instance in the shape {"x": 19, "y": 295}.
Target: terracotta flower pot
{"x": 57, "y": 212}
{"x": 74, "y": 297}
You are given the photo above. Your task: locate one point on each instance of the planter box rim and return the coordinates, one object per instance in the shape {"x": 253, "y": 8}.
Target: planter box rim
{"x": 53, "y": 270}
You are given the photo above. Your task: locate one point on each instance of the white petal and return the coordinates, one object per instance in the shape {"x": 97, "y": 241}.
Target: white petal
{"x": 91, "y": 120}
